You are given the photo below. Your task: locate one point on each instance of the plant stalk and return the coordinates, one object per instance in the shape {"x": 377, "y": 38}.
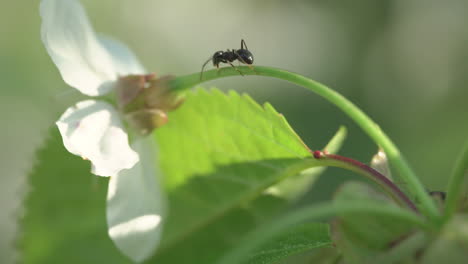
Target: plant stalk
{"x": 370, "y": 173}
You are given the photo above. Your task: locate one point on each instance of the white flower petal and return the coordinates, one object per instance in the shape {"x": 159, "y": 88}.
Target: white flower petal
{"x": 73, "y": 46}
{"x": 124, "y": 61}
{"x": 93, "y": 130}
{"x": 135, "y": 206}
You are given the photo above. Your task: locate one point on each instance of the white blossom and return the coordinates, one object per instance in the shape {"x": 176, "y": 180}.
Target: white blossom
{"x": 92, "y": 64}
{"x": 94, "y": 130}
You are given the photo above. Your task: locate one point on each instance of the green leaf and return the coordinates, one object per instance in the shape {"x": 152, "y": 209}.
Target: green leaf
{"x": 219, "y": 153}
{"x": 323, "y": 255}
{"x": 210, "y": 242}
{"x": 363, "y": 237}
{"x": 64, "y": 219}
{"x": 263, "y": 234}
{"x": 291, "y": 241}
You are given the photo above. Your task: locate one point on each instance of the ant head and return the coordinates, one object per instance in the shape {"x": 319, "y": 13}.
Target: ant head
{"x": 245, "y": 56}
{"x": 218, "y": 54}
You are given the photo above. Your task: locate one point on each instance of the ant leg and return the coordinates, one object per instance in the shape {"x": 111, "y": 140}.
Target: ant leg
{"x": 217, "y": 69}
{"x": 230, "y": 63}
{"x": 252, "y": 68}
{"x": 243, "y": 44}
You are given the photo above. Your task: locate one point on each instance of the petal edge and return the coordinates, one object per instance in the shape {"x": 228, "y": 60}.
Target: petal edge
{"x": 92, "y": 129}
{"x": 136, "y": 206}
{"x": 83, "y": 62}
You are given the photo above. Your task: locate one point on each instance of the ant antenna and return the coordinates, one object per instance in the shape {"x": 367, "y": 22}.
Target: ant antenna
{"x": 203, "y": 67}
{"x": 243, "y": 44}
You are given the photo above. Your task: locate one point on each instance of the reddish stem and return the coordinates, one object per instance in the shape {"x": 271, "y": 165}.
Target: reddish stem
{"x": 375, "y": 175}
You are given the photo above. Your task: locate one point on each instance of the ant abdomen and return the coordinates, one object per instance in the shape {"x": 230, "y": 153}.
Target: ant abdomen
{"x": 245, "y": 56}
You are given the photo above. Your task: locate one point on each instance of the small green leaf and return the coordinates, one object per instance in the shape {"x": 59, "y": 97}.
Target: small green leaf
{"x": 219, "y": 153}
{"x": 64, "y": 212}
{"x": 362, "y": 237}
{"x": 451, "y": 245}
{"x": 406, "y": 251}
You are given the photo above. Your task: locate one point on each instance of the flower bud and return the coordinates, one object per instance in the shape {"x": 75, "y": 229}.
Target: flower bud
{"x": 145, "y": 101}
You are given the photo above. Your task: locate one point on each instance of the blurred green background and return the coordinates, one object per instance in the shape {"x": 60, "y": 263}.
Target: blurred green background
{"x": 405, "y": 63}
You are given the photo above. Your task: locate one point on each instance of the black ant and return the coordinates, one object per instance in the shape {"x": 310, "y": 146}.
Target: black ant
{"x": 243, "y": 55}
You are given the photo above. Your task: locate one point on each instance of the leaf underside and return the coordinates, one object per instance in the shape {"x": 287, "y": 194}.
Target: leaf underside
{"x": 294, "y": 240}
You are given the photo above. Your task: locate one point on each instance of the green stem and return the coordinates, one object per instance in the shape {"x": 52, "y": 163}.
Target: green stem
{"x": 314, "y": 213}
{"x": 428, "y": 207}
{"x": 455, "y": 185}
